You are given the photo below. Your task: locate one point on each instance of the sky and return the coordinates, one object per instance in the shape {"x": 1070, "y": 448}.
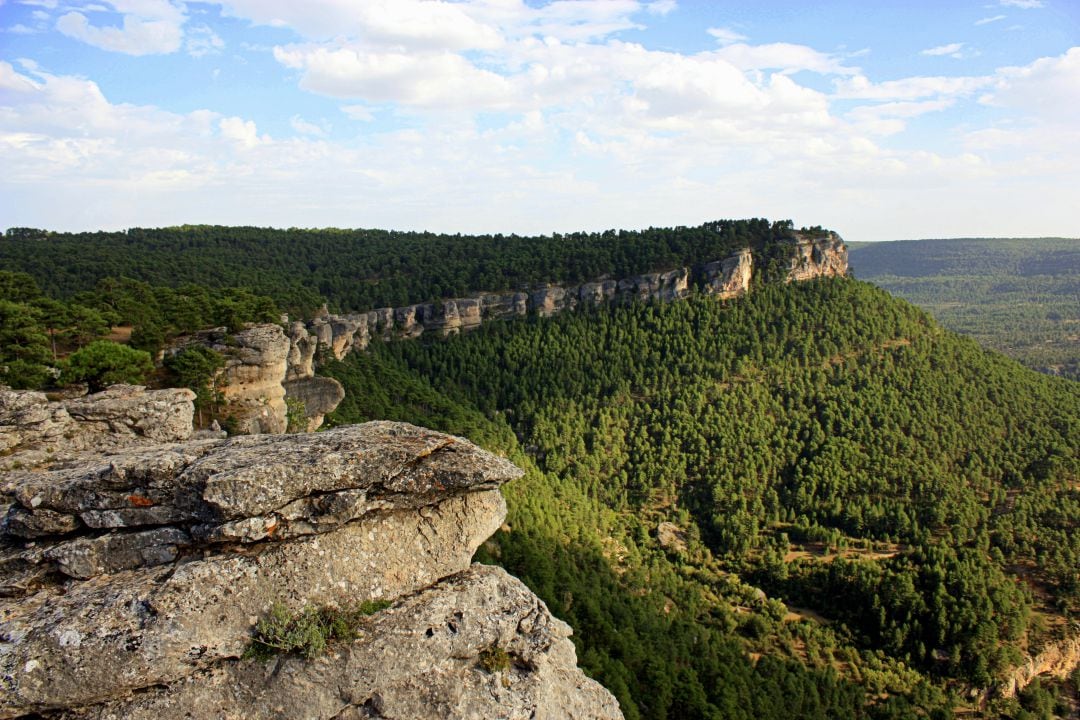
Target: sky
{"x": 881, "y": 120}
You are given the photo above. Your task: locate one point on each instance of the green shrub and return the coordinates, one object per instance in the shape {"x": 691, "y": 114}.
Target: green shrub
{"x": 307, "y": 631}
{"x": 103, "y": 363}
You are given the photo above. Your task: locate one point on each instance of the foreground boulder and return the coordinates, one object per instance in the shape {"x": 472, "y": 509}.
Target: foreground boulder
{"x": 131, "y": 582}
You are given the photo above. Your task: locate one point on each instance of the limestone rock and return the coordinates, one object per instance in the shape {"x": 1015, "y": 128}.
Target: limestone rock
{"x": 421, "y": 658}
{"x": 255, "y": 367}
{"x": 822, "y": 256}
{"x": 35, "y": 431}
{"x": 320, "y": 395}
{"x": 170, "y": 552}
{"x": 300, "y": 362}
{"x": 730, "y": 277}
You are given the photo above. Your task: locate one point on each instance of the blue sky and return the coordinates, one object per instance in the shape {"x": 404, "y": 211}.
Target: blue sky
{"x": 882, "y": 120}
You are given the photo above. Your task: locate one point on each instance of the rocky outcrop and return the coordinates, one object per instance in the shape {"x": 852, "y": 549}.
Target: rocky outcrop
{"x": 729, "y": 278}
{"x": 1058, "y": 659}
{"x": 316, "y": 396}
{"x": 820, "y": 255}
{"x": 823, "y": 255}
{"x": 34, "y": 431}
{"x": 132, "y": 581}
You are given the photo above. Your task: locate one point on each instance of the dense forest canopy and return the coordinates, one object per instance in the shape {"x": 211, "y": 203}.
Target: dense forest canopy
{"x": 1020, "y": 297}
{"x": 364, "y": 269}
{"x": 911, "y": 498}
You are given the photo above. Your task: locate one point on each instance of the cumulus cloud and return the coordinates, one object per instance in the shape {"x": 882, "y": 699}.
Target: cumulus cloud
{"x": 148, "y": 27}
{"x": 443, "y": 80}
{"x": 1049, "y": 86}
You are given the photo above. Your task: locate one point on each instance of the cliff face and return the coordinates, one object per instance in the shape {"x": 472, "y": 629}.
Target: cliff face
{"x": 131, "y": 582}
{"x": 824, "y": 256}
{"x": 268, "y": 367}
{"x": 1057, "y": 660}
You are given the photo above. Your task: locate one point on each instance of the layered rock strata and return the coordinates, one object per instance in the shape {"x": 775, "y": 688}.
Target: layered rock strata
{"x": 34, "y": 430}
{"x": 132, "y": 581}
{"x": 820, "y": 256}
{"x": 267, "y": 367}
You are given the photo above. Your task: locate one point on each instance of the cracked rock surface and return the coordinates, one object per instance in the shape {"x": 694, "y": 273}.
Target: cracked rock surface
{"x": 130, "y": 582}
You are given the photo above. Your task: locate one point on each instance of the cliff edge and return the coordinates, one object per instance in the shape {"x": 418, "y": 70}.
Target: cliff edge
{"x": 133, "y": 580}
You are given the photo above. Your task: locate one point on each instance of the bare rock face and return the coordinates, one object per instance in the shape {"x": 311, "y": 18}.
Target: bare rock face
{"x": 822, "y": 256}
{"x": 254, "y": 370}
{"x": 1056, "y": 660}
{"x": 35, "y": 431}
{"x": 319, "y": 396}
{"x": 131, "y": 583}
{"x": 730, "y": 277}
{"x": 300, "y": 362}
{"x": 421, "y": 659}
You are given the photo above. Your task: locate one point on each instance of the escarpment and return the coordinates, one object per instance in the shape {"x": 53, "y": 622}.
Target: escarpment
{"x": 823, "y": 255}
{"x": 132, "y": 581}
{"x": 270, "y": 371}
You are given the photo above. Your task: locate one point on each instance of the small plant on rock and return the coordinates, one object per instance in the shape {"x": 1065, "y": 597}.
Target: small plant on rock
{"x": 495, "y": 659}
{"x": 308, "y": 631}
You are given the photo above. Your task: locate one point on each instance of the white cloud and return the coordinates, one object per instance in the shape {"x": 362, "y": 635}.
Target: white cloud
{"x": 661, "y": 7}
{"x": 148, "y": 27}
{"x": 412, "y": 24}
{"x": 304, "y": 127}
{"x": 988, "y": 20}
{"x": 952, "y": 50}
{"x": 242, "y": 132}
{"x": 1023, "y": 4}
{"x": 358, "y": 112}
{"x": 782, "y": 56}
{"x": 20, "y": 29}
{"x": 1049, "y": 86}
{"x": 726, "y": 36}
{"x": 891, "y": 118}
{"x": 443, "y": 80}
{"x": 202, "y": 41}
{"x": 860, "y": 87}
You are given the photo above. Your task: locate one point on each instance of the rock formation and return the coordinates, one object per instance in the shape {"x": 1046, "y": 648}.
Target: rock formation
{"x": 132, "y": 581}
{"x": 34, "y": 430}
{"x": 820, "y": 256}
{"x": 1057, "y": 659}
{"x": 267, "y": 367}
{"x": 729, "y": 278}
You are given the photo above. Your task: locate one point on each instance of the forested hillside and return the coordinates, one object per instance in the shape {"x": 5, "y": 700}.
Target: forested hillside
{"x": 1020, "y": 297}
{"x": 364, "y": 269}
{"x": 812, "y": 502}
